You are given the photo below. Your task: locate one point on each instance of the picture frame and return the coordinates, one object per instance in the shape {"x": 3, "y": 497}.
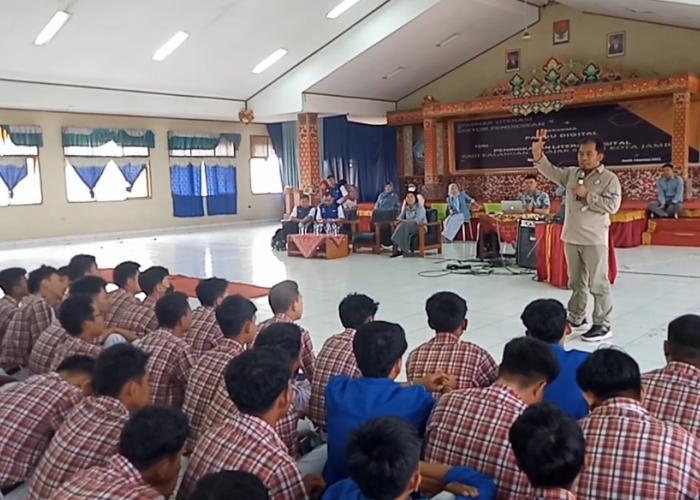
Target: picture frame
{"x": 616, "y": 44}
{"x": 512, "y": 62}
{"x": 561, "y": 32}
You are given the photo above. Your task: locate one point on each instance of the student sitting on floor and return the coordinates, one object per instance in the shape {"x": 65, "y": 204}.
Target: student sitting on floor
{"x": 219, "y": 485}
{"x": 82, "y": 265}
{"x": 148, "y": 463}
{"x": 126, "y": 277}
{"x": 13, "y": 282}
{"x": 549, "y": 448}
{"x": 64, "y": 275}
{"x": 83, "y": 324}
{"x": 141, "y": 317}
{"x": 205, "y": 334}
{"x": 383, "y": 457}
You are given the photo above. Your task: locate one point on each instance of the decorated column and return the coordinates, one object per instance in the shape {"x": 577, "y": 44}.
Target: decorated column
{"x": 309, "y": 150}
{"x": 681, "y": 135}
{"x": 432, "y": 190}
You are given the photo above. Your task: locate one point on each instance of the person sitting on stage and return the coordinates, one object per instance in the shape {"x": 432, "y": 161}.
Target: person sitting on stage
{"x": 534, "y": 200}
{"x": 329, "y": 212}
{"x": 387, "y": 199}
{"x": 302, "y": 215}
{"x": 336, "y": 189}
{"x": 669, "y": 188}
{"x": 349, "y": 201}
{"x": 412, "y": 214}
{"x": 458, "y": 203}
{"x": 412, "y": 188}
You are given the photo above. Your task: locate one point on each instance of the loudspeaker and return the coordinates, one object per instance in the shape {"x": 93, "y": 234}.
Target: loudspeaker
{"x": 526, "y": 253}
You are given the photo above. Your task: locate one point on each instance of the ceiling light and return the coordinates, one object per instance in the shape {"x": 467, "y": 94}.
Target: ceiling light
{"x": 170, "y": 46}
{"x": 339, "y": 9}
{"x": 393, "y": 73}
{"x": 526, "y": 35}
{"x": 448, "y": 40}
{"x": 52, "y": 27}
{"x": 269, "y": 61}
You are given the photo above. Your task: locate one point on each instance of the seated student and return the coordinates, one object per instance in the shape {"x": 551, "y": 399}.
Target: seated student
{"x": 387, "y": 199}
{"x": 13, "y": 283}
{"x": 90, "y": 434}
{"x": 629, "y": 453}
{"x": 259, "y": 384}
{"x": 336, "y": 356}
{"x": 534, "y": 200}
{"x": 411, "y": 215}
{"x": 32, "y": 411}
{"x": 412, "y": 188}
{"x": 329, "y": 212}
{"x": 236, "y": 319}
{"x": 303, "y": 214}
{"x": 141, "y": 317}
{"x": 336, "y": 189}
{"x": 549, "y": 448}
{"x": 170, "y": 357}
{"x": 350, "y": 200}
{"x": 205, "y": 334}
{"x": 545, "y": 320}
{"x": 83, "y": 323}
{"x": 383, "y": 457}
{"x": 471, "y": 365}
{"x": 148, "y": 463}
{"x": 126, "y": 277}
{"x": 458, "y": 211}
{"x": 219, "y": 485}
{"x": 64, "y": 274}
{"x": 669, "y": 188}
{"x": 82, "y": 265}
{"x": 379, "y": 347}
{"x": 287, "y": 305}
{"x": 470, "y": 427}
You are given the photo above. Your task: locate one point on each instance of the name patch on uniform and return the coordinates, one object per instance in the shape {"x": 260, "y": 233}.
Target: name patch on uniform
{"x": 614, "y": 195}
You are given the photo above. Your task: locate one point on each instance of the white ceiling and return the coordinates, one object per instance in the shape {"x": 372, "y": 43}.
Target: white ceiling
{"x": 682, "y": 13}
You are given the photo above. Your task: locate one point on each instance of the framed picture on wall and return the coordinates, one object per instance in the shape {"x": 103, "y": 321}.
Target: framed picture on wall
{"x": 560, "y": 32}
{"x": 616, "y": 44}
{"x": 512, "y": 61}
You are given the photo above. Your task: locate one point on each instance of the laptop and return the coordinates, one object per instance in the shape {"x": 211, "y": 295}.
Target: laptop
{"x": 513, "y": 207}
{"x": 492, "y": 208}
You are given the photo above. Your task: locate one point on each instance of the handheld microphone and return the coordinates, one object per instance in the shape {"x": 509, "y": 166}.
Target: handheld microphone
{"x": 581, "y": 175}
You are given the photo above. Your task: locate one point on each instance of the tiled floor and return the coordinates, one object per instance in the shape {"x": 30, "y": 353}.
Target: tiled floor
{"x": 656, "y": 284}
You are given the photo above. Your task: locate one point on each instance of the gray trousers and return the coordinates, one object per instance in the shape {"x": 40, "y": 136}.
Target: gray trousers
{"x": 657, "y": 208}
{"x": 403, "y": 234}
{"x": 588, "y": 272}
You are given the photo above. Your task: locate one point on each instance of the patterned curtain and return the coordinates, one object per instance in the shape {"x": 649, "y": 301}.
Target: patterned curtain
{"x": 186, "y": 188}
{"x": 179, "y": 141}
{"x": 12, "y": 170}
{"x": 131, "y": 169}
{"x": 23, "y": 135}
{"x": 95, "y": 137}
{"x": 222, "y": 188}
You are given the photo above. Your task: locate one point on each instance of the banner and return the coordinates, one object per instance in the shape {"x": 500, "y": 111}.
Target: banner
{"x": 505, "y": 142}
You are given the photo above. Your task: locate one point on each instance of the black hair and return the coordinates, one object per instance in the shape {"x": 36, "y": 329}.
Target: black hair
{"x": 74, "y": 312}
{"x": 609, "y": 373}
{"x": 87, "y": 285}
{"x": 64, "y": 272}
{"x": 356, "y": 309}
{"x": 527, "y": 361}
{"x": 151, "y": 278}
{"x": 171, "y": 308}
{"x": 531, "y": 176}
{"x": 10, "y": 278}
{"x": 256, "y": 378}
{"x": 331, "y": 176}
{"x": 446, "y": 311}
{"x": 283, "y": 295}
{"x": 77, "y": 364}
{"x": 233, "y": 313}
{"x": 548, "y": 445}
{"x": 124, "y": 272}
{"x": 378, "y": 345}
{"x": 37, "y": 276}
{"x": 79, "y": 265}
{"x": 684, "y": 338}
{"x": 220, "y": 485}
{"x": 593, "y": 139}
{"x": 382, "y": 456}
{"x": 211, "y": 289}
{"x": 411, "y": 193}
{"x": 342, "y": 182}
{"x": 304, "y": 197}
{"x": 668, "y": 165}
{"x": 285, "y": 336}
{"x": 117, "y": 365}
{"x": 545, "y": 319}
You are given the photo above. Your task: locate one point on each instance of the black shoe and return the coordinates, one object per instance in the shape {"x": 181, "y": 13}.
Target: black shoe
{"x": 577, "y": 326}
{"x": 597, "y": 333}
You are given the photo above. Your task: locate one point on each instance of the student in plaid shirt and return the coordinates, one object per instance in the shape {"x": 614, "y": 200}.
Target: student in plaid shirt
{"x": 170, "y": 358}
{"x": 83, "y": 324}
{"x": 205, "y": 333}
{"x": 90, "y": 434}
{"x": 13, "y": 282}
{"x": 550, "y": 450}
{"x": 141, "y": 317}
{"x": 673, "y": 392}
{"x": 471, "y": 365}
{"x": 471, "y": 426}
{"x": 82, "y": 265}
{"x": 126, "y": 277}
{"x": 630, "y": 453}
{"x": 259, "y": 384}
{"x": 148, "y": 463}
{"x": 219, "y": 485}
{"x": 287, "y": 305}
{"x": 336, "y": 356}
{"x": 32, "y": 411}
{"x": 236, "y": 318}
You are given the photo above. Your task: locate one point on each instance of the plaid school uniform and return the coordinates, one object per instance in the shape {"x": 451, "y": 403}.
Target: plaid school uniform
{"x": 470, "y": 427}
{"x": 31, "y": 412}
{"x": 8, "y": 308}
{"x": 673, "y": 395}
{"x": 336, "y": 358}
{"x": 121, "y": 300}
{"x": 248, "y": 444}
{"x": 631, "y": 454}
{"x": 33, "y": 317}
{"x": 551, "y": 494}
{"x": 140, "y": 317}
{"x": 169, "y": 366}
{"x": 72, "y": 346}
{"x": 307, "y": 357}
{"x": 205, "y": 333}
{"x": 88, "y": 438}
{"x": 42, "y": 354}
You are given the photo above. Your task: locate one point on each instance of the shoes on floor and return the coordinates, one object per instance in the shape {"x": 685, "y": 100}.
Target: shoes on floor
{"x": 597, "y": 333}
{"x": 576, "y": 327}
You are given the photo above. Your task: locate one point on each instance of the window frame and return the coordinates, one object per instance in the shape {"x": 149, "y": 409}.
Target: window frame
{"x": 250, "y": 172}
{"x": 34, "y": 156}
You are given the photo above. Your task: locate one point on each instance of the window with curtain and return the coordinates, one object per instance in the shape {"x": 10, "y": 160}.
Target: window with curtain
{"x": 20, "y": 182}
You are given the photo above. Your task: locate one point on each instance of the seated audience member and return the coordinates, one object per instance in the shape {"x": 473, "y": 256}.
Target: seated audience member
{"x": 545, "y": 320}
{"x": 549, "y": 448}
{"x": 388, "y": 199}
{"x": 412, "y": 188}
{"x": 534, "y": 200}
{"x": 13, "y": 283}
{"x": 219, "y": 485}
{"x": 32, "y": 411}
{"x": 471, "y": 365}
{"x": 672, "y": 393}
{"x": 629, "y": 453}
{"x": 64, "y": 274}
{"x": 170, "y": 357}
{"x": 383, "y": 457}
{"x": 37, "y": 313}
{"x": 458, "y": 203}
{"x": 82, "y": 265}
{"x": 379, "y": 347}
{"x": 90, "y": 434}
{"x": 470, "y": 427}
{"x": 336, "y": 356}
{"x": 140, "y": 317}
{"x": 236, "y": 319}
{"x": 287, "y": 305}
{"x": 83, "y": 323}
{"x": 349, "y": 201}
{"x": 148, "y": 463}
{"x": 669, "y": 188}
{"x": 411, "y": 215}
{"x": 205, "y": 334}
{"x": 259, "y": 384}
{"x": 329, "y": 212}
{"x": 302, "y": 216}
{"x": 336, "y": 189}
{"x": 126, "y": 277}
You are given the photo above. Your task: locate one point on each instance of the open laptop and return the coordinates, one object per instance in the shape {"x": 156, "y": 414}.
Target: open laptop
{"x": 513, "y": 207}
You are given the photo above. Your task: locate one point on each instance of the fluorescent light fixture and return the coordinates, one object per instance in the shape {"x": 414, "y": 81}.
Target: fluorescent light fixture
{"x": 448, "y": 40}
{"x": 52, "y": 27}
{"x": 393, "y": 73}
{"x": 269, "y": 61}
{"x": 169, "y": 47}
{"x": 341, "y": 8}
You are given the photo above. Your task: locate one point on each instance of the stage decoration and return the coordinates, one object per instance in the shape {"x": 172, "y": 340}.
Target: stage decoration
{"x": 429, "y": 100}
{"x": 246, "y": 116}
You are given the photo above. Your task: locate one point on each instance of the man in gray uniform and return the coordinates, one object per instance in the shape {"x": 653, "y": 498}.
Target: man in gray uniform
{"x": 593, "y": 193}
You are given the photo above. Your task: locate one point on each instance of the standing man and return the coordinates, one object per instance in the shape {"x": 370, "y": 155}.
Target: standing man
{"x": 670, "y": 195}
{"x": 593, "y": 193}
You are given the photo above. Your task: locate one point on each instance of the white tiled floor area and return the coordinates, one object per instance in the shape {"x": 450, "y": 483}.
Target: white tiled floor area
{"x": 656, "y": 284}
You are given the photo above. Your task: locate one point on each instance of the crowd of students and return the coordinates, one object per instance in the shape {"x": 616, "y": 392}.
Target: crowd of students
{"x": 109, "y": 397}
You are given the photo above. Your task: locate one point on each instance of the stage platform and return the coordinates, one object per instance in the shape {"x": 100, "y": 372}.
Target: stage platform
{"x": 683, "y": 232}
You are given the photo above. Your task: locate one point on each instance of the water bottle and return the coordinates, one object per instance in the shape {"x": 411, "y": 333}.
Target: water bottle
{"x": 317, "y": 228}
{"x": 335, "y": 229}
{"x": 302, "y": 228}
{"x": 328, "y": 228}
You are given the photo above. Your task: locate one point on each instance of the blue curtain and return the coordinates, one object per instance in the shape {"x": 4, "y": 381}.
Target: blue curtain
{"x": 222, "y": 190}
{"x": 186, "y": 188}
{"x": 131, "y": 173}
{"x": 336, "y": 148}
{"x": 90, "y": 175}
{"x": 286, "y": 144}
{"x": 274, "y": 130}
{"x": 12, "y": 171}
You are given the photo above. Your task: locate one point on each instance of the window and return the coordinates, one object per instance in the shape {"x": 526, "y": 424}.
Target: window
{"x": 111, "y": 186}
{"x": 223, "y": 149}
{"x": 25, "y": 188}
{"x": 265, "y": 177}
{"x": 108, "y": 150}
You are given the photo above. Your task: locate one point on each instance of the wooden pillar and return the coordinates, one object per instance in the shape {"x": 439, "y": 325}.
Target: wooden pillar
{"x": 432, "y": 190}
{"x": 309, "y": 150}
{"x": 681, "y": 135}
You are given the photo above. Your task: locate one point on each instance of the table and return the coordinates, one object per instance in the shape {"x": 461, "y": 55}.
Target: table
{"x": 323, "y": 246}
{"x": 505, "y": 224}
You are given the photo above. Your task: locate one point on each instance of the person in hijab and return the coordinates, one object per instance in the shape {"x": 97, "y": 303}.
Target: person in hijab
{"x": 412, "y": 188}
{"x": 387, "y": 199}
{"x": 458, "y": 203}
{"x": 412, "y": 214}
